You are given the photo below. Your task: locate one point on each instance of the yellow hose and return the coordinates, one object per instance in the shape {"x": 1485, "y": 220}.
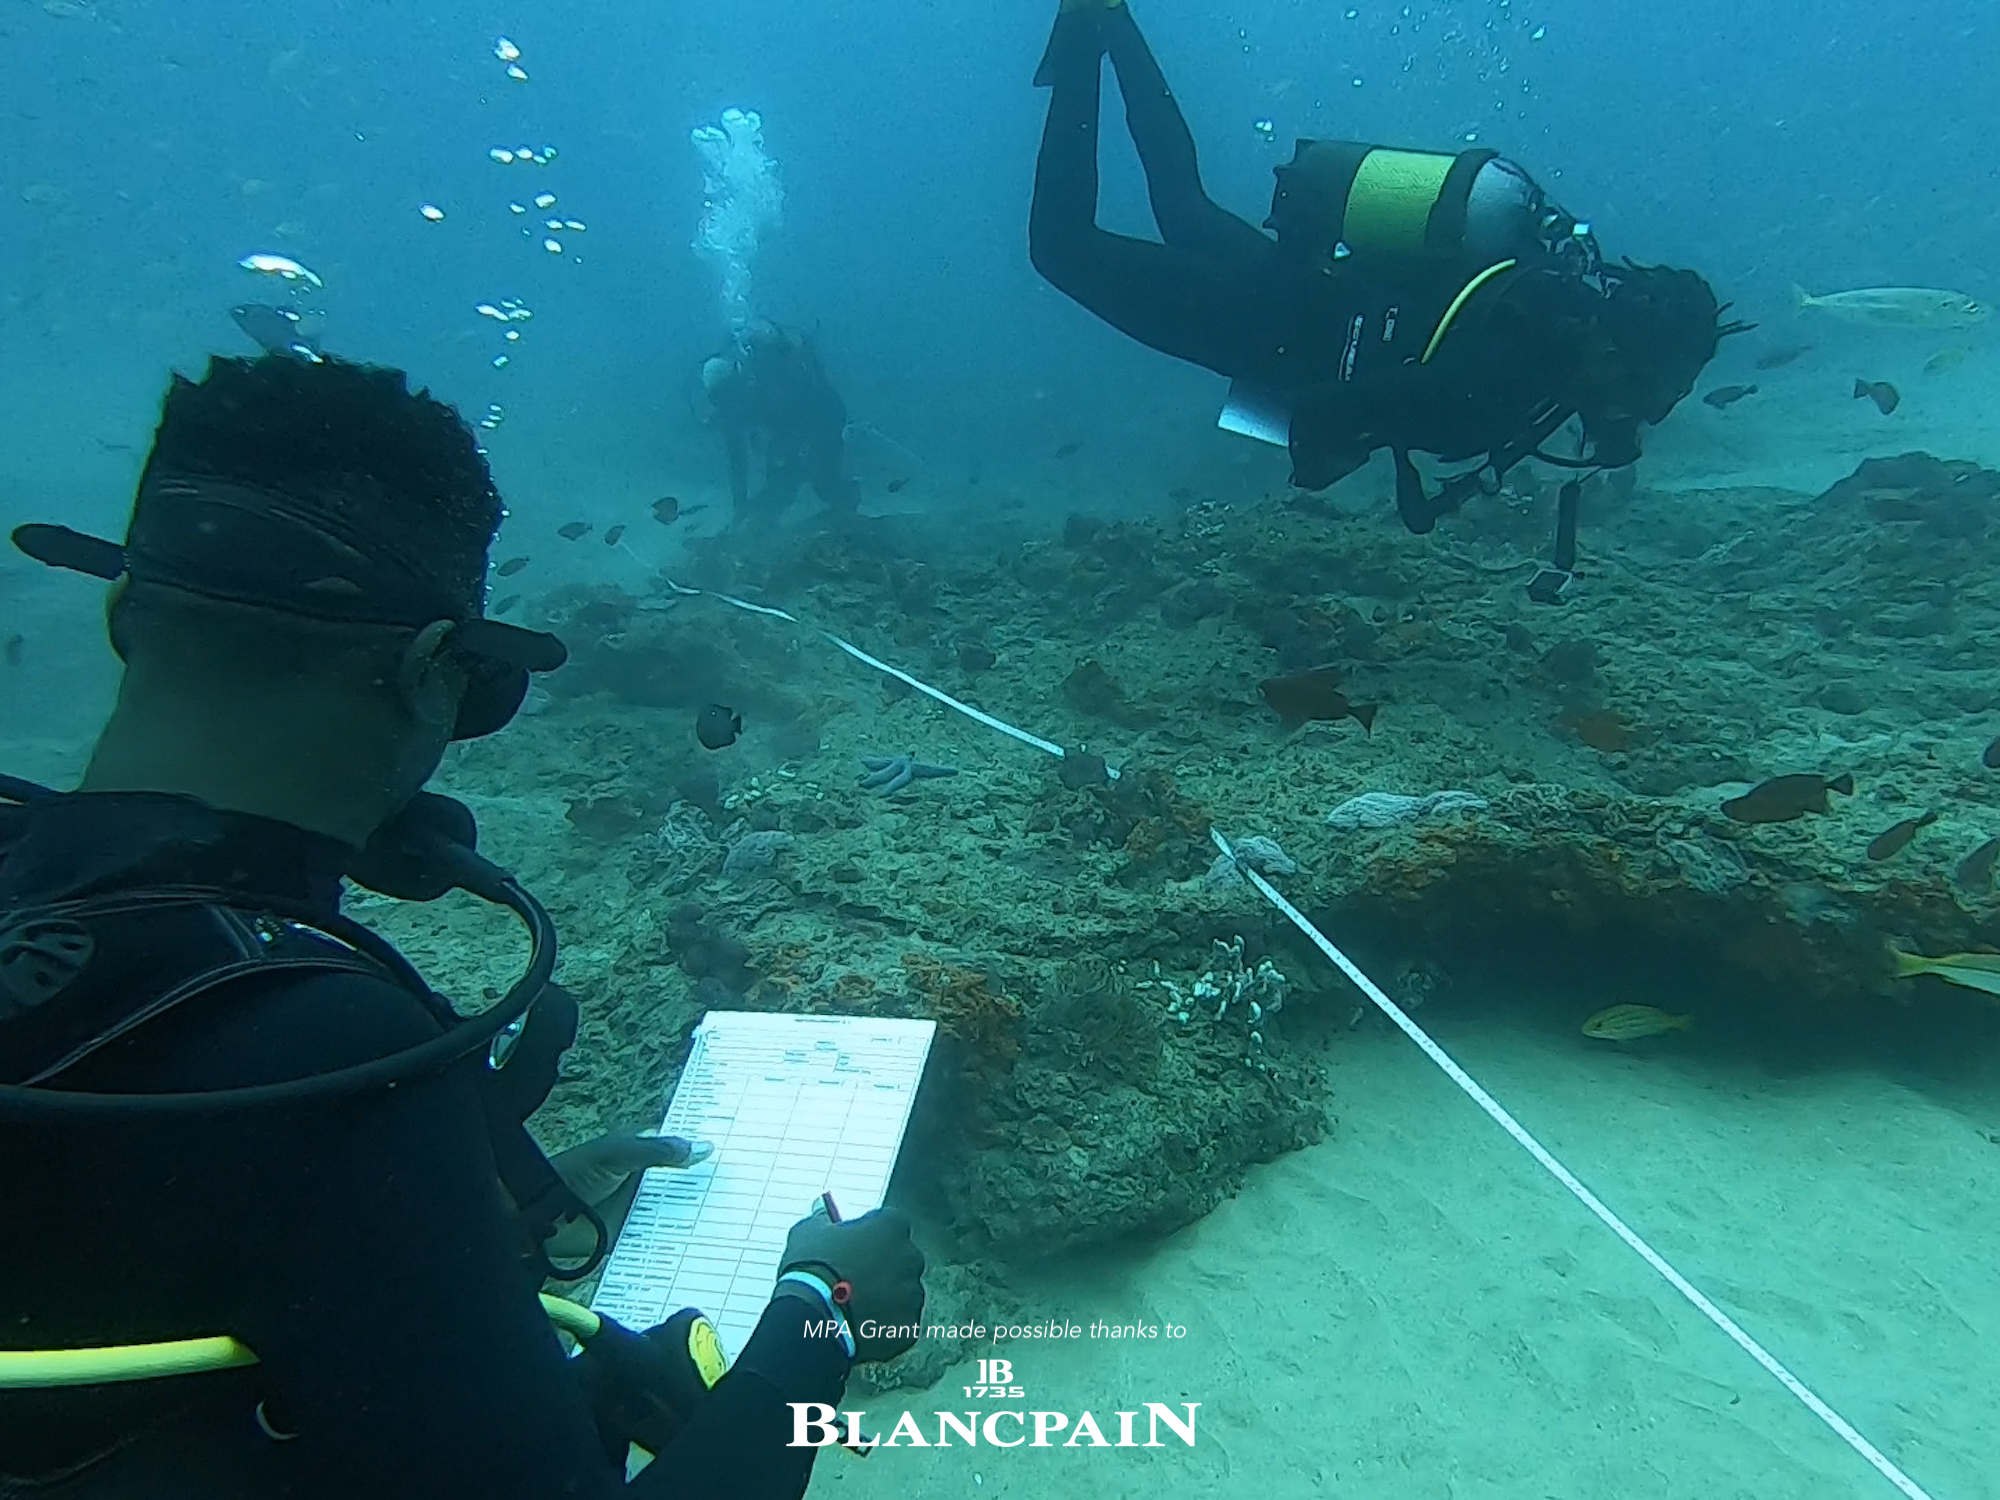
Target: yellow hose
{"x": 23, "y": 1369}
{"x": 33, "y": 1369}
{"x": 1464, "y": 294}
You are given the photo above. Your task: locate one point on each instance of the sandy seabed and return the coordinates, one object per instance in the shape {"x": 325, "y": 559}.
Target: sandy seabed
{"x": 1414, "y": 1310}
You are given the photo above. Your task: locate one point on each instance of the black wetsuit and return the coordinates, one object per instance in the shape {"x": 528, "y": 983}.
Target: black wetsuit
{"x": 1342, "y": 344}
{"x": 363, "y": 1249}
{"x": 776, "y": 397}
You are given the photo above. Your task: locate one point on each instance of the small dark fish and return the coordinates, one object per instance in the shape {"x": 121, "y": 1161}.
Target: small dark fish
{"x": 1600, "y": 728}
{"x": 1895, "y": 840}
{"x": 895, "y": 486}
{"x": 1068, "y": 450}
{"x": 1727, "y": 395}
{"x": 1300, "y": 697}
{"x": 506, "y": 604}
{"x": 511, "y": 566}
{"x": 278, "y": 330}
{"x": 573, "y": 531}
{"x": 1778, "y": 358}
{"x": 716, "y": 726}
{"x": 1883, "y": 394}
{"x": 1784, "y": 798}
{"x": 15, "y": 649}
{"x": 1975, "y": 871}
{"x": 1991, "y": 757}
{"x": 614, "y": 536}
{"x": 666, "y": 510}
{"x": 1181, "y": 495}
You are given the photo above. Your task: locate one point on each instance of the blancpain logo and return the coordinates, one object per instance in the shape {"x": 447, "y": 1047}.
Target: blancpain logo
{"x": 816, "y": 1425}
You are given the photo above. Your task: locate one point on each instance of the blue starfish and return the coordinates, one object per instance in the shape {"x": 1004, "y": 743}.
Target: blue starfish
{"x": 889, "y": 774}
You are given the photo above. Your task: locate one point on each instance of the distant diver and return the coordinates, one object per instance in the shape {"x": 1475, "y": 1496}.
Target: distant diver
{"x": 770, "y": 393}
{"x": 1414, "y": 301}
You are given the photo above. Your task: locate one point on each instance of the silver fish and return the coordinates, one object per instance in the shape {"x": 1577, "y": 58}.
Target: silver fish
{"x": 1896, "y": 306}
{"x": 280, "y": 330}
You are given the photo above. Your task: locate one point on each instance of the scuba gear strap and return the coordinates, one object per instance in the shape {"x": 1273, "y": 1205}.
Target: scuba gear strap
{"x": 79, "y": 974}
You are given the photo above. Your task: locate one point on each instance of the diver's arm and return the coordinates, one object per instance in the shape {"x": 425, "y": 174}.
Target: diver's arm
{"x": 405, "y": 1342}
{"x": 738, "y": 1441}
{"x": 397, "y": 1322}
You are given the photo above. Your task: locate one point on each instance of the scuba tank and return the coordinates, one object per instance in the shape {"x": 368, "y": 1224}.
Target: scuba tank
{"x": 1336, "y": 199}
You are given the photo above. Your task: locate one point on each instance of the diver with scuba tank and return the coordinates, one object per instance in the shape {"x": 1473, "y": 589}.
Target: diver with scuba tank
{"x": 275, "y": 1223}
{"x": 1424, "y": 303}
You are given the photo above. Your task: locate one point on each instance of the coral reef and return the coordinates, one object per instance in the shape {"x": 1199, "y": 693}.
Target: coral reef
{"x": 1717, "y": 639}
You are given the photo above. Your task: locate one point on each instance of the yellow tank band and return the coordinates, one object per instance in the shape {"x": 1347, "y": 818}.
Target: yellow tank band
{"x": 1464, "y": 294}
{"x": 1389, "y": 202}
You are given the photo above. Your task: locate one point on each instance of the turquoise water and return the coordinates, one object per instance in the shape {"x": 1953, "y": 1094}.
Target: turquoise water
{"x": 1382, "y": 1293}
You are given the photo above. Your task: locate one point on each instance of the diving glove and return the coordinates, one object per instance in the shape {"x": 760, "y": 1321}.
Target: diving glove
{"x": 877, "y": 1264}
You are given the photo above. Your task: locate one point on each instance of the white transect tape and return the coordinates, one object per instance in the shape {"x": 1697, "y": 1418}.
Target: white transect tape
{"x": 1833, "y": 1419}
{"x": 896, "y": 672}
{"x": 946, "y": 698}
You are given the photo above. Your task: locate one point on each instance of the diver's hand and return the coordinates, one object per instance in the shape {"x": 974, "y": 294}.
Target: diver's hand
{"x": 597, "y": 1169}
{"x": 874, "y": 1255}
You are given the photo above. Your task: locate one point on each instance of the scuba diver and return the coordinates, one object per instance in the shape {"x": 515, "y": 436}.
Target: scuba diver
{"x": 1428, "y": 303}
{"x": 770, "y": 392}
{"x": 275, "y": 1225}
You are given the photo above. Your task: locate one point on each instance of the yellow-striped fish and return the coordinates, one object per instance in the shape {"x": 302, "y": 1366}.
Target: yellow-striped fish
{"x": 1627, "y": 1023}
{"x": 1976, "y": 971}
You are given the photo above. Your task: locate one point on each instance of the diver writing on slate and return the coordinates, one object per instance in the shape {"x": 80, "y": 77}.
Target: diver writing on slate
{"x": 250, "y": 1123}
{"x": 1418, "y": 302}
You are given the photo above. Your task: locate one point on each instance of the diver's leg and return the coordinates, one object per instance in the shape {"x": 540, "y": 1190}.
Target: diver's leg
{"x": 1194, "y": 306}
{"x": 1187, "y": 216}
{"x": 826, "y": 471}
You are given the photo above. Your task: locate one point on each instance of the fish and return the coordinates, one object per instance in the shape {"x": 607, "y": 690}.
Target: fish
{"x": 281, "y": 266}
{"x": 15, "y": 650}
{"x": 1627, "y": 1023}
{"x": 1885, "y": 396}
{"x": 1300, "y": 697}
{"x": 1784, "y": 798}
{"x": 1946, "y": 359}
{"x": 1975, "y": 871}
{"x": 573, "y": 531}
{"x": 1727, "y": 395}
{"x": 511, "y": 566}
{"x": 1896, "y": 306}
{"x": 1068, "y": 450}
{"x": 716, "y": 726}
{"x": 666, "y": 510}
{"x": 1990, "y": 756}
{"x": 1602, "y": 729}
{"x": 506, "y": 604}
{"x": 1778, "y": 358}
{"x": 280, "y": 330}
{"x": 614, "y": 535}
{"x": 1894, "y": 840}
{"x": 895, "y": 486}
{"x": 1975, "y": 971}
